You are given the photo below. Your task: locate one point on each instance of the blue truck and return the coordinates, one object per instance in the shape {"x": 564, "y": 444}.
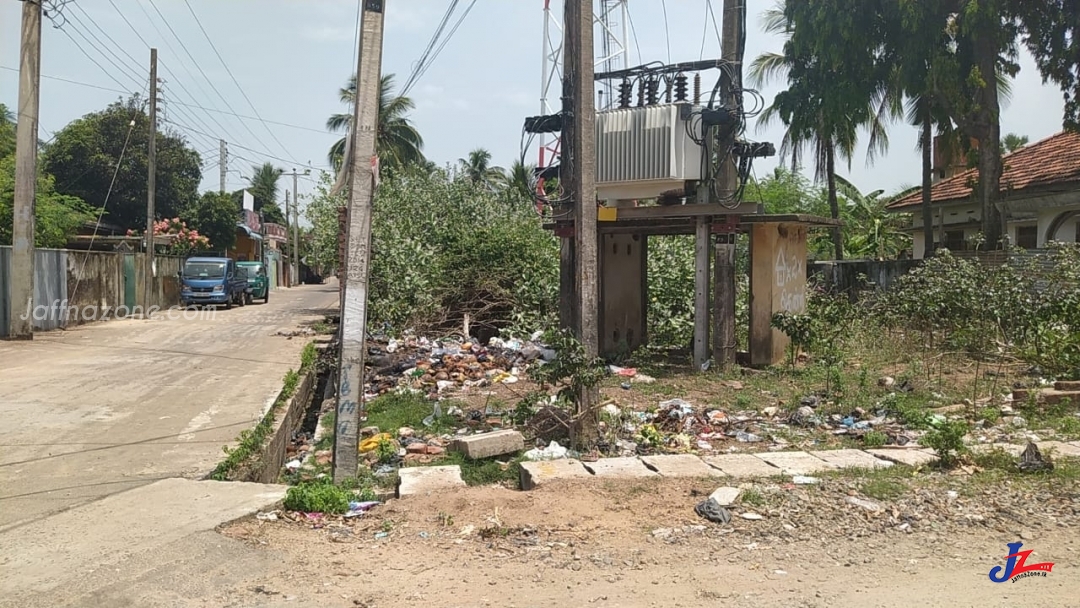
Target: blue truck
{"x": 213, "y": 281}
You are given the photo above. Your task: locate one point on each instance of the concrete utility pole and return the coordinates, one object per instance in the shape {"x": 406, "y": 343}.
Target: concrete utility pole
{"x": 579, "y": 167}
{"x": 296, "y": 222}
{"x": 151, "y": 188}
{"x": 724, "y": 340}
{"x": 22, "y": 234}
{"x": 293, "y": 269}
{"x": 351, "y": 377}
{"x": 223, "y": 160}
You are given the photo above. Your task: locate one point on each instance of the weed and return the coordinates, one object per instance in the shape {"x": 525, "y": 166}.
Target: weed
{"x": 387, "y": 526}
{"x": 445, "y": 519}
{"x": 318, "y": 496}
{"x": 947, "y": 441}
{"x": 308, "y": 356}
{"x": 753, "y": 497}
{"x": 744, "y": 401}
{"x": 486, "y": 471}
{"x": 883, "y": 489}
{"x": 386, "y": 450}
{"x": 392, "y": 411}
{"x": 874, "y": 439}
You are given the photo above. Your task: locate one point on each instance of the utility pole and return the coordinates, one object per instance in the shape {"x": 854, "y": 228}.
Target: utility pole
{"x": 296, "y": 222}
{"x": 293, "y": 270}
{"x": 151, "y": 187}
{"x": 223, "y": 161}
{"x": 579, "y": 167}
{"x": 731, "y": 51}
{"x": 21, "y": 325}
{"x": 351, "y": 377}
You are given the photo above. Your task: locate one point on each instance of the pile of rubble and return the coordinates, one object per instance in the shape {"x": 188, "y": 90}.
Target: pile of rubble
{"x": 437, "y": 366}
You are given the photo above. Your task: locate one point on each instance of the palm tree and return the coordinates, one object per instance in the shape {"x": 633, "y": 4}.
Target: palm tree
{"x": 520, "y": 178}
{"x": 1013, "y": 142}
{"x": 263, "y": 186}
{"x": 397, "y": 142}
{"x": 7, "y": 117}
{"x": 819, "y": 115}
{"x": 478, "y": 170}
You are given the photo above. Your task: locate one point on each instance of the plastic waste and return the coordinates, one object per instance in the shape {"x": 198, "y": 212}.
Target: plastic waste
{"x": 712, "y": 511}
{"x": 745, "y": 437}
{"x": 610, "y": 409}
{"x": 553, "y": 451}
{"x": 356, "y": 509}
{"x": 436, "y": 412}
{"x": 371, "y": 443}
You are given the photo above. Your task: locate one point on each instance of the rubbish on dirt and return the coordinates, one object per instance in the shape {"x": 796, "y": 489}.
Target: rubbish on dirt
{"x": 886, "y": 381}
{"x": 1032, "y": 460}
{"x": 292, "y": 465}
{"x": 865, "y": 504}
{"x": 625, "y": 386}
{"x": 268, "y": 516}
{"x": 751, "y": 516}
{"x": 382, "y": 534}
{"x": 803, "y": 480}
{"x": 745, "y": 437}
{"x": 712, "y": 511}
{"x": 372, "y": 443}
{"x": 356, "y": 509}
{"x": 553, "y": 451}
{"x": 436, "y": 413}
{"x": 610, "y": 409}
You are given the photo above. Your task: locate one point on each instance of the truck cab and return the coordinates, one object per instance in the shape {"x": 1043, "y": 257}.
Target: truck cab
{"x": 258, "y": 281}
{"x": 212, "y": 281}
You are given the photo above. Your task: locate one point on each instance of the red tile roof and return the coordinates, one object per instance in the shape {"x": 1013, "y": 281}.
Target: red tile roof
{"x": 1053, "y": 160}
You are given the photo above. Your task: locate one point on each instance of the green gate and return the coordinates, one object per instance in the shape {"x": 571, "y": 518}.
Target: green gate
{"x": 129, "y": 281}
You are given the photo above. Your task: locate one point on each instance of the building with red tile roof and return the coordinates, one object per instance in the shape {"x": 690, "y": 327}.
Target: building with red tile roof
{"x": 1040, "y": 198}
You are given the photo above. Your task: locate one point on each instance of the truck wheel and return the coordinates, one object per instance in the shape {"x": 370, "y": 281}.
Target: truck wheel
{"x": 266, "y": 300}
{"x": 229, "y": 302}
{"x": 248, "y": 299}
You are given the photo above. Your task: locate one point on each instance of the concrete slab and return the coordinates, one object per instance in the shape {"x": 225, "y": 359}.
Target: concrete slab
{"x": 907, "y": 456}
{"x": 46, "y": 555}
{"x": 534, "y": 474}
{"x": 742, "y": 465}
{"x": 726, "y": 496}
{"x": 620, "y": 468}
{"x": 982, "y": 448}
{"x": 487, "y": 445}
{"x": 1060, "y": 448}
{"x": 796, "y": 463}
{"x": 425, "y": 480}
{"x": 680, "y": 465}
{"x": 852, "y": 459}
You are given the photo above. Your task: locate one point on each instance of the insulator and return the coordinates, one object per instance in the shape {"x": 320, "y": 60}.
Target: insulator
{"x": 680, "y": 87}
{"x": 697, "y": 89}
{"x": 641, "y": 92}
{"x": 652, "y": 93}
{"x": 667, "y": 91}
{"x": 626, "y": 93}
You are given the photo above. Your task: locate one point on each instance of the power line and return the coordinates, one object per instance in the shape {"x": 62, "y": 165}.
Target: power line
{"x": 226, "y": 66}
{"x": 94, "y": 61}
{"x": 256, "y": 151}
{"x": 438, "y": 51}
{"x": 430, "y": 46}
{"x": 201, "y": 71}
{"x": 667, "y": 30}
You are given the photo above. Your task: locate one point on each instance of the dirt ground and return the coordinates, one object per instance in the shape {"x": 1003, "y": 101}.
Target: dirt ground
{"x": 639, "y": 543}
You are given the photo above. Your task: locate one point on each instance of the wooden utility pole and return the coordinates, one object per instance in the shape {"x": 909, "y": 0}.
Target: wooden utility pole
{"x": 20, "y": 324}
{"x": 732, "y": 50}
{"x": 223, "y": 161}
{"x": 151, "y": 188}
{"x": 579, "y": 166}
{"x": 351, "y": 377}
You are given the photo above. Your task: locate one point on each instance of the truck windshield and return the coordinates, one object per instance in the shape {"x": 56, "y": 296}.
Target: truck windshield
{"x": 204, "y": 270}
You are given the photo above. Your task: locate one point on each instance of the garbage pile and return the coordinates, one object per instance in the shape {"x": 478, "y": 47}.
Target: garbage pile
{"x": 437, "y": 366}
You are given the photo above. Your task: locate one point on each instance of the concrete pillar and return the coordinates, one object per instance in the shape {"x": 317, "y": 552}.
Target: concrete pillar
{"x": 777, "y": 284}
{"x": 623, "y": 271}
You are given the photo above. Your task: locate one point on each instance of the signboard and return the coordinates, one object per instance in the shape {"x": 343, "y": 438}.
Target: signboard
{"x": 249, "y": 201}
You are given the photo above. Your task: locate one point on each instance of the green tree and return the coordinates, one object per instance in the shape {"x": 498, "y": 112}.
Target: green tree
{"x": 56, "y": 216}
{"x": 519, "y": 179}
{"x": 871, "y": 231}
{"x": 397, "y": 142}
{"x": 7, "y": 131}
{"x": 321, "y": 211}
{"x": 478, "y": 170}
{"x": 1013, "y": 142}
{"x": 263, "y": 186}
{"x": 85, "y": 154}
{"x": 215, "y": 216}
{"x": 821, "y": 112}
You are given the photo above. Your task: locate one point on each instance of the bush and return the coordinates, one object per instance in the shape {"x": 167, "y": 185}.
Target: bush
{"x": 318, "y": 496}
{"x": 444, "y": 247}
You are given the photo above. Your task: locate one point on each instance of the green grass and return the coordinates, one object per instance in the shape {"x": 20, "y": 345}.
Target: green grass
{"x": 753, "y": 497}
{"x": 487, "y": 471}
{"x": 308, "y": 356}
{"x": 884, "y": 489}
{"x": 318, "y": 496}
{"x": 250, "y": 441}
{"x": 392, "y": 411}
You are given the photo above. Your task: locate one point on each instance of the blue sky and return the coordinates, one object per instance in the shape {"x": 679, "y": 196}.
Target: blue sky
{"x": 290, "y": 57}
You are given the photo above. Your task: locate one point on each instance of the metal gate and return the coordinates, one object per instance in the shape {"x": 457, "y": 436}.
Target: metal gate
{"x": 130, "y": 291}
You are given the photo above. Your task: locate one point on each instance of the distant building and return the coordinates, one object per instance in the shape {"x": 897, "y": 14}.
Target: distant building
{"x": 1040, "y": 198}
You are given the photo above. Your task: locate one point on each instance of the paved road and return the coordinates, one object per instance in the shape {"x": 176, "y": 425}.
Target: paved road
{"x": 108, "y": 407}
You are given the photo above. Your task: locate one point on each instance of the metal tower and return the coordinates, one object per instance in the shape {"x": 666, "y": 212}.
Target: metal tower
{"x": 611, "y": 17}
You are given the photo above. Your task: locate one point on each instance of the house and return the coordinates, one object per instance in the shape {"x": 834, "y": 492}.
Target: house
{"x": 1040, "y": 198}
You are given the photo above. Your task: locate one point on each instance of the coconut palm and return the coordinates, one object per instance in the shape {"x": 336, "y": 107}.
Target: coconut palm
{"x": 397, "y": 142}
{"x": 519, "y": 179}
{"x": 819, "y": 115}
{"x": 478, "y": 170}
